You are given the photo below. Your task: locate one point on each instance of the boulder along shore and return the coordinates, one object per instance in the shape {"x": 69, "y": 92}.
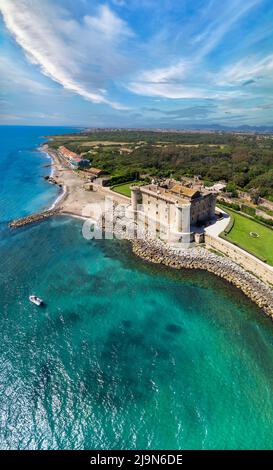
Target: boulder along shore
{"x": 157, "y": 252}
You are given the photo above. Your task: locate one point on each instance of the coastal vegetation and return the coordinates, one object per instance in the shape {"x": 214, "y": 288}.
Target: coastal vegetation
{"x": 122, "y": 179}
{"x": 244, "y": 161}
{"x": 248, "y": 210}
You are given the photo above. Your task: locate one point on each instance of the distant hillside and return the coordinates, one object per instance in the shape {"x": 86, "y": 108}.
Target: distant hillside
{"x": 195, "y": 128}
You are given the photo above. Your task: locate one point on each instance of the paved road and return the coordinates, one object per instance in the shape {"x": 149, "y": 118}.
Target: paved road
{"x": 218, "y": 226}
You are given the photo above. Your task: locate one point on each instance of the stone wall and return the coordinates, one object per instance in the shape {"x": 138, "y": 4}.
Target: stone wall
{"x": 155, "y": 250}
{"x": 241, "y": 257}
{"x": 203, "y": 208}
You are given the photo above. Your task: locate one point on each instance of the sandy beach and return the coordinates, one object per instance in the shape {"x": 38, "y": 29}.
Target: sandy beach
{"x": 75, "y": 200}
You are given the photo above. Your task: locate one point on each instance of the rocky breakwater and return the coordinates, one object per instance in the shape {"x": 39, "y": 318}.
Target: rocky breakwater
{"x": 34, "y": 218}
{"x": 156, "y": 251}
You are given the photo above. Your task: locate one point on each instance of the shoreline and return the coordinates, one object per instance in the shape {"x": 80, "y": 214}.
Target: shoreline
{"x": 201, "y": 259}
{"x": 52, "y": 169}
{"x": 59, "y": 198}
{"x": 63, "y": 189}
{"x": 155, "y": 251}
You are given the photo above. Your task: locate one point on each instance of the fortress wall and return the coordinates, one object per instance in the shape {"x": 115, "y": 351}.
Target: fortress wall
{"x": 245, "y": 259}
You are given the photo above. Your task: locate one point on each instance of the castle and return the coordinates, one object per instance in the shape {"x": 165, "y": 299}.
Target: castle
{"x": 173, "y": 208}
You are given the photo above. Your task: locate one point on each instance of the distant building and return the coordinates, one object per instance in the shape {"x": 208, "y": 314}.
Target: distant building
{"x": 197, "y": 178}
{"x": 218, "y": 187}
{"x": 96, "y": 172}
{"x": 103, "y": 180}
{"x": 173, "y": 206}
{"x": 84, "y": 163}
{"x": 88, "y": 187}
{"x": 73, "y": 159}
{"x": 123, "y": 150}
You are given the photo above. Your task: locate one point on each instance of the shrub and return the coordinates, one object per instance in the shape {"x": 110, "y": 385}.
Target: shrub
{"x": 230, "y": 225}
{"x": 115, "y": 180}
{"x": 264, "y": 221}
{"x": 232, "y": 205}
{"x": 248, "y": 210}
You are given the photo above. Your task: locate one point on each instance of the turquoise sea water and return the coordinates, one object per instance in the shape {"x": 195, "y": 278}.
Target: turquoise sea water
{"x": 124, "y": 355}
{"x": 23, "y": 189}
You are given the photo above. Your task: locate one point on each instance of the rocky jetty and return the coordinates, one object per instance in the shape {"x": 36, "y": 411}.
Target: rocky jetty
{"x": 156, "y": 251}
{"x": 34, "y": 218}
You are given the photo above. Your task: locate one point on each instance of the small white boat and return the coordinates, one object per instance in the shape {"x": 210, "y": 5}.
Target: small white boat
{"x": 35, "y": 300}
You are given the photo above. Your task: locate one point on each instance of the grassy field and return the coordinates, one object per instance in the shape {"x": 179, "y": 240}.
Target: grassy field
{"x": 124, "y": 188}
{"x": 262, "y": 246}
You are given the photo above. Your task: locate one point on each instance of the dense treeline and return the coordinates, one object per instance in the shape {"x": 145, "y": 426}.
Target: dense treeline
{"x": 244, "y": 161}
{"x": 155, "y": 136}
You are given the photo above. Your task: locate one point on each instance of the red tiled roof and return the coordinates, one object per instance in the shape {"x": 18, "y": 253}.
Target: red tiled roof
{"x": 183, "y": 191}
{"x": 95, "y": 171}
{"x": 68, "y": 154}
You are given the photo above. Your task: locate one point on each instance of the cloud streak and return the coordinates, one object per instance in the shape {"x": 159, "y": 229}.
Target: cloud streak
{"x": 200, "y": 60}
{"x": 248, "y": 71}
{"x": 225, "y": 20}
{"x": 71, "y": 53}
{"x": 183, "y": 79}
{"x": 166, "y": 82}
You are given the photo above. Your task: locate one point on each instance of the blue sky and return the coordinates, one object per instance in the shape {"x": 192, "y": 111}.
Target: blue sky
{"x": 136, "y": 63}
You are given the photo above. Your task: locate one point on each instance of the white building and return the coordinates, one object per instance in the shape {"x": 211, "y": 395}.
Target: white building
{"x": 173, "y": 208}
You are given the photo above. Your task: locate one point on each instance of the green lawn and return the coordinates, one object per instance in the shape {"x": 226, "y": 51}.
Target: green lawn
{"x": 124, "y": 188}
{"x": 240, "y": 233}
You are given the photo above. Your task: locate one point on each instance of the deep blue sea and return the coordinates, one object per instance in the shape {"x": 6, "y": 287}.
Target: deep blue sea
{"x": 124, "y": 355}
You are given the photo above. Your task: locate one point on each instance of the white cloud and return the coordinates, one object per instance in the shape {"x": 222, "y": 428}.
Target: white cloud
{"x": 165, "y": 82}
{"x": 78, "y": 55}
{"x": 12, "y": 74}
{"x": 217, "y": 29}
{"x": 92, "y": 52}
{"x": 165, "y": 90}
{"x": 184, "y": 79}
{"x": 250, "y": 68}
{"x": 108, "y": 24}
{"x": 165, "y": 75}
{"x": 9, "y": 117}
